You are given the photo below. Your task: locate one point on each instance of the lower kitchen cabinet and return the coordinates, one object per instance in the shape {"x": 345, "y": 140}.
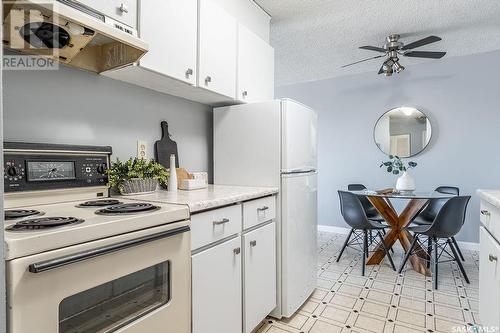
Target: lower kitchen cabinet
{"x": 259, "y": 275}
{"x": 489, "y": 280}
{"x": 217, "y": 288}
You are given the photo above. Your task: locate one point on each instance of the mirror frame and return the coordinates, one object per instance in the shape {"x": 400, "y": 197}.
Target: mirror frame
{"x": 397, "y": 107}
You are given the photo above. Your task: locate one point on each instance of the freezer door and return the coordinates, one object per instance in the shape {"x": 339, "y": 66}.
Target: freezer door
{"x": 299, "y": 137}
{"x": 299, "y": 234}
{"x": 247, "y": 144}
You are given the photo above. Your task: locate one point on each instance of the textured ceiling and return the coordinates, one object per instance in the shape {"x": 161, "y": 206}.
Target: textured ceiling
{"x": 313, "y": 38}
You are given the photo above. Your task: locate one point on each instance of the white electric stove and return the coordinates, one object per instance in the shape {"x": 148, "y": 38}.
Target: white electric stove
{"x": 79, "y": 261}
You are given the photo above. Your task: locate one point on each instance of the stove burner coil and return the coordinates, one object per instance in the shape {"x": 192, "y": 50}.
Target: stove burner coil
{"x": 128, "y": 208}
{"x": 100, "y": 203}
{"x": 43, "y": 223}
{"x": 14, "y": 214}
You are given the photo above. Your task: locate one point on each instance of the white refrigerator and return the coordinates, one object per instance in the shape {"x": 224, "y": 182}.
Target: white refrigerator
{"x": 274, "y": 144}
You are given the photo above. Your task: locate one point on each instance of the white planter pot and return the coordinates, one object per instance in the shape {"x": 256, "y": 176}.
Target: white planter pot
{"x": 405, "y": 182}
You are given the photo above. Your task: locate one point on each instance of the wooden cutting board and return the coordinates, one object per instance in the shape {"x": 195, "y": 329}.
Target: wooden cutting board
{"x": 165, "y": 147}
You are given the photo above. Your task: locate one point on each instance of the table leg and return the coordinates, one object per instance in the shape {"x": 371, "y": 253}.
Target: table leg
{"x": 397, "y": 223}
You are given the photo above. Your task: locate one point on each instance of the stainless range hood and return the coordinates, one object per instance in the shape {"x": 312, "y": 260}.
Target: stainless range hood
{"x": 70, "y": 33}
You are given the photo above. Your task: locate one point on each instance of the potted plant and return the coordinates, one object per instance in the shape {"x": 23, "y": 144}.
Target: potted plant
{"x": 396, "y": 166}
{"x": 137, "y": 175}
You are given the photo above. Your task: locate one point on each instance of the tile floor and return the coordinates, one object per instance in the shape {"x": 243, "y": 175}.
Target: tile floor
{"x": 382, "y": 300}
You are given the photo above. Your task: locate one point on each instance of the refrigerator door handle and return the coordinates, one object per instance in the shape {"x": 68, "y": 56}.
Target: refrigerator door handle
{"x": 295, "y": 171}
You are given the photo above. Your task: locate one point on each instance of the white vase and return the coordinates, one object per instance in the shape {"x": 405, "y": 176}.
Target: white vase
{"x": 405, "y": 182}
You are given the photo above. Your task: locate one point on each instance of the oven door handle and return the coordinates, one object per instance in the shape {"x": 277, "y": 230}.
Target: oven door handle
{"x": 47, "y": 265}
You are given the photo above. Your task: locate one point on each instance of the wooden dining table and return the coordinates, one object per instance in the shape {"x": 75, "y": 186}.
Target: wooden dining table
{"x": 415, "y": 203}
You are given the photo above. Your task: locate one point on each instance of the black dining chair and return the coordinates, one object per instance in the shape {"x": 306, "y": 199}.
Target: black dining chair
{"x": 446, "y": 225}
{"x": 427, "y": 216}
{"x": 354, "y": 215}
{"x": 371, "y": 212}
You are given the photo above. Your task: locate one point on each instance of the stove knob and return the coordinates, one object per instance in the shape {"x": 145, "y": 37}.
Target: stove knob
{"x": 101, "y": 169}
{"x": 12, "y": 171}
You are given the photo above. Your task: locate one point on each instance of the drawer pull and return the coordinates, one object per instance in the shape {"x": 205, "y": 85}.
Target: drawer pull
{"x": 223, "y": 221}
{"x": 253, "y": 243}
{"x": 262, "y": 209}
{"x": 492, "y": 258}
{"x": 485, "y": 213}
{"x": 124, "y": 8}
{"x": 237, "y": 251}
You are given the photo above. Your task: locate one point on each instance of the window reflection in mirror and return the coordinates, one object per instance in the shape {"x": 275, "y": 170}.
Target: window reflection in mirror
{"x": 403, "y": 131}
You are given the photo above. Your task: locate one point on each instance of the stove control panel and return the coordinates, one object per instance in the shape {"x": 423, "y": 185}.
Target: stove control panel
{"x": 46, "y": 167}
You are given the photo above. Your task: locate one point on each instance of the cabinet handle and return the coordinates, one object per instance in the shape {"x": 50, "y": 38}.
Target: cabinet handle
{"x": 262, "y": 209}
{"x": 485, "y": 213}
{"x": 492, "y": 258}
{"x": 189, "y": 72}
{"x": 124, "y": 8}
{"x": 245, "y": 94}
{"x": 237, "y": 251}
{"x": 224, "y": 220}
{"x": 208, "y": 79}
{"x": 253, "y": 243}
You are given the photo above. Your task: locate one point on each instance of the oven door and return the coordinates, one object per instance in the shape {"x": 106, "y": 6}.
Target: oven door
{"x": 132, "y": 283}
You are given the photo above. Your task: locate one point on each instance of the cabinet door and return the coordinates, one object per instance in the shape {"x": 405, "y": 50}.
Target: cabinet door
{"x": 255, "y": 67}
{"x": 124, "y": 11}
{"x": 217, "y": 49}
{"x": 170, "y": 29}
{"x": 217, "y": 289}
{"x": 489, "y": 280}
{"x": 259, "y": 282}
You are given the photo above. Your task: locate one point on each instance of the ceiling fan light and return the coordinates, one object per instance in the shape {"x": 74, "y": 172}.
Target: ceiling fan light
{"x": 388, "y": 71}
{"x": 398, "y": 67}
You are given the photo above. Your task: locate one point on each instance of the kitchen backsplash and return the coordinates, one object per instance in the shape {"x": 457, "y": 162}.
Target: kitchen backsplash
{"x": 73, "y": 106}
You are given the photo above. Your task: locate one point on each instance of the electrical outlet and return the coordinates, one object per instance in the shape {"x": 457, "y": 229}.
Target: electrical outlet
{"x": 142, "y": 149}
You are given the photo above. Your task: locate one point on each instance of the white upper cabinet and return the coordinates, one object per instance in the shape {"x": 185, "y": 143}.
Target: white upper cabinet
{"x": 124, "y": 11}
{"x": 255, "y": 67}
{"x": 216, "y": 49}
{"x": 170, "y": 29}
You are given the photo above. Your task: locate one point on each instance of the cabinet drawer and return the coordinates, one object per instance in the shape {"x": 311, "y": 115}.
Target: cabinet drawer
{"x": 214, "y": 225}
{"x": 490, "y": 218}
{"x": 489, "y": 280}
{"x": 258, "y": 211}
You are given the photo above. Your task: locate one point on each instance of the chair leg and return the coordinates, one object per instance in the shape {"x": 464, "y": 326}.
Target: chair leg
{"x": 408, "y": 253}
{"x": 436, "y": 262}
{"x": 345, "y": 244}
{"x": 429, "y": 251}
{"x": 367, "y": 243}
{"x": 455, "y": 254}
{"x": 386, "y": 250}
{"x": 457, "y": 248}
{"x": 365, "y": 250}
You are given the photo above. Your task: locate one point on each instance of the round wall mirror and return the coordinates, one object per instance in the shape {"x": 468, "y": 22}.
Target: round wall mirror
{"x": 403, "y": 131}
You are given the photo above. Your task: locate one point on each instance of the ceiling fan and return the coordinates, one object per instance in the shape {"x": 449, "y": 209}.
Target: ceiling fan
{"x": 393, "y": 48}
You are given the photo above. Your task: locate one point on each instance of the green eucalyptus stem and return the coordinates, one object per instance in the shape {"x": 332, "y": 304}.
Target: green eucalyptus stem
{"x": 395, "y": 165}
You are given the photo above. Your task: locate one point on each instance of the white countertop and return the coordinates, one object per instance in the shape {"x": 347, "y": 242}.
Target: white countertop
{"x": 212, "y": 197}
{"x": 490, "y": 196}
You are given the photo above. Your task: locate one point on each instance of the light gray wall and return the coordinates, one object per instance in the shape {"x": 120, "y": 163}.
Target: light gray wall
{"x": 461, "y": 97}
{"x": 77, "y": 107}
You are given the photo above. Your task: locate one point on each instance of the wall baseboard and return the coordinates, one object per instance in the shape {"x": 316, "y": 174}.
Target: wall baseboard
{"x": 344, "y": 231}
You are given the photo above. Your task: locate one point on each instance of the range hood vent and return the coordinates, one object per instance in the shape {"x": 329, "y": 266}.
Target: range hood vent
{"x": 70, "y": 33}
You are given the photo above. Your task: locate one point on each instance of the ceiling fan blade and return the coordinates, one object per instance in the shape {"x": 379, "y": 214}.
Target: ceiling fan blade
{"x": 381, "y": 70}
{"x": 425, "y": 54}
{"x": 421, "y": 42}
{"x": 373, "y": 48}
{"x": 357, "y": 62}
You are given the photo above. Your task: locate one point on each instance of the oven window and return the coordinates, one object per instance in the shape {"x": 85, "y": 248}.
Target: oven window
{"x": 112, "y": 305}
